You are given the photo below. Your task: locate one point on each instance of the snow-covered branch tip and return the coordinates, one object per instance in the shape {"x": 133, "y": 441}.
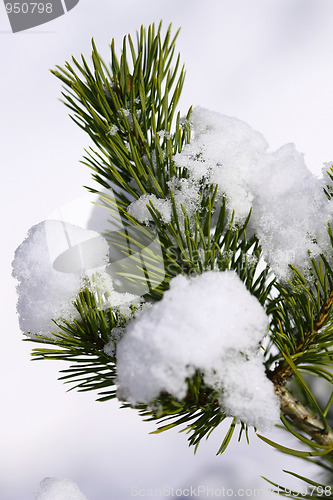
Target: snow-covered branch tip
{"x": 212, "y": 289}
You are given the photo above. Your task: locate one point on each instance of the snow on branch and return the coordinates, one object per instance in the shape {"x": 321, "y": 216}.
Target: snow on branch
{"x": 209, "y": 323}
{"x": 289, "y": 209}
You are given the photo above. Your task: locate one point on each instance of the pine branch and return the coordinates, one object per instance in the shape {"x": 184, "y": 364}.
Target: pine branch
{"x": 302, "y": 331}
{"x": 283, "y": 371}
{"x": 81, "y": 342}
{"x": 129, "y": 110}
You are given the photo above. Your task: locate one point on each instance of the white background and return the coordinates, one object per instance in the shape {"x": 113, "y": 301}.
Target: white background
{"x": 268, "y": 62}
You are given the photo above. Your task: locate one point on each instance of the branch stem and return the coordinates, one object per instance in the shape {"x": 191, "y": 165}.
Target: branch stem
{"x": 303, "y": 418}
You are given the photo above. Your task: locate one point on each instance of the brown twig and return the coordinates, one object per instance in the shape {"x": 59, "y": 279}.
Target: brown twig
{"x": 304, "y": 419}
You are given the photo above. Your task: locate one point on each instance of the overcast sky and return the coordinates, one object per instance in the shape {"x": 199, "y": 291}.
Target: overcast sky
{"x": 267, "y": 62}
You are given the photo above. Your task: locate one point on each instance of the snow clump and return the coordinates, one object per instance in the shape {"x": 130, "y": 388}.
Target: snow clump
{"x": 52, "y": 488}
{"x": 139, "y": 208}
{"x": 209, "y": 323}
{"x": 52, "y": 265}
{"x": 289, "y": 209}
